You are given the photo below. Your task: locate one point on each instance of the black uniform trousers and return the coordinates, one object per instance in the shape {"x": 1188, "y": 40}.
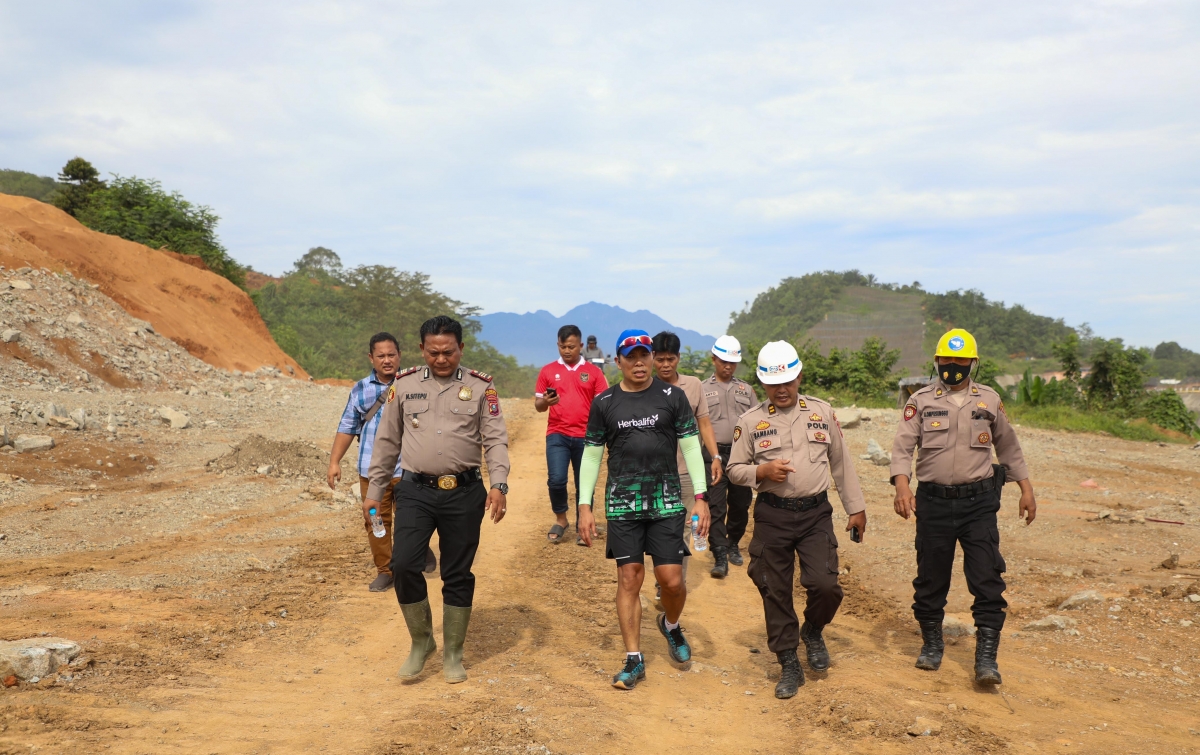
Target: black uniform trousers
{"x": 729, "y": 506}
{"x": 779, "y": 536}
{"x": 456, "y": 515}
{"x": 971, "y": 522}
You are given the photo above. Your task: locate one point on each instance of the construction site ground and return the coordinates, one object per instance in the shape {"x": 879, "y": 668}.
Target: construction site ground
{"x": 224, "y": 610}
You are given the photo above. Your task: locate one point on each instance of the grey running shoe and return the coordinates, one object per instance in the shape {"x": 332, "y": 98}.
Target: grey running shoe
{"x": 382, "y": 583}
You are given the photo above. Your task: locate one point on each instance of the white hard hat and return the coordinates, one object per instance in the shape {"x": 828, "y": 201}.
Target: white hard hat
{"x": 778, "y": 362}
{"x": 728, "y": 349}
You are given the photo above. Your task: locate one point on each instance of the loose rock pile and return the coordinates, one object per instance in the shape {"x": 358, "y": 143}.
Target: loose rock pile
{"x": 57, "y": 332}
{"x": 259, "y": 455}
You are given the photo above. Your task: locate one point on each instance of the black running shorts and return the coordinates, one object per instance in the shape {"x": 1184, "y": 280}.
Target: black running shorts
{"x": 629, "y": 540}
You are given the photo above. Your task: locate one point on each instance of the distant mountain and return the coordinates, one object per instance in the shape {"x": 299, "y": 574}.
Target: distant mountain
{"x": 531, "y": 337}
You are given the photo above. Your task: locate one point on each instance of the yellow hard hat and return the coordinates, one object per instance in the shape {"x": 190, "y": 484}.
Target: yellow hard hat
{"x": 957, "y": 343}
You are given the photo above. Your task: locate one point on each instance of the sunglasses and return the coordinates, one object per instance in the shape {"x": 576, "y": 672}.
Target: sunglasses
{"x": 636, "y": 341}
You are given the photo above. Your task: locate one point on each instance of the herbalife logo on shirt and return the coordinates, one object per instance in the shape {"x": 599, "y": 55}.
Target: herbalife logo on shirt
{"x": 643, "y": 422}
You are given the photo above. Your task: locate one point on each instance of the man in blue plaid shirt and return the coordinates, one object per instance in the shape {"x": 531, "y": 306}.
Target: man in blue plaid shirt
{"x": 360, "y": 420}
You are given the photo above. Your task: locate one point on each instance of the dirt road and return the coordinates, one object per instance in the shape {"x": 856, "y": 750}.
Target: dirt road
{"x": 225, "y": 611}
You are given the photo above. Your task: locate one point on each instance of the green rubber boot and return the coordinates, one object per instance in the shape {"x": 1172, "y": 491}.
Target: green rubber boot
{"x": 454, "y": 633}
{"x": 419, "y": 619}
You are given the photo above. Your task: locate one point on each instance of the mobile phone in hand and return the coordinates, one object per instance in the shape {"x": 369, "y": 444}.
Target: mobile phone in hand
{"x": 855, "y": 535}
{"x": 551, "y": 392}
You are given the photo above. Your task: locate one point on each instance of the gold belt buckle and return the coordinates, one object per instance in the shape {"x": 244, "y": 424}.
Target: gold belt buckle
{"x": 447, "y": 482}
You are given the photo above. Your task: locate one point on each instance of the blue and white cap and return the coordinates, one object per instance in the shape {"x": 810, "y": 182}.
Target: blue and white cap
{"x": 727, "y": 349}
{"x": 778, "y": 362}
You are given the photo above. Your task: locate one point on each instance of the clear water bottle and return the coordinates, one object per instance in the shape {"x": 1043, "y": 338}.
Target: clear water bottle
{"x": 700, "y": 541}
{"x": 377, "y": 524}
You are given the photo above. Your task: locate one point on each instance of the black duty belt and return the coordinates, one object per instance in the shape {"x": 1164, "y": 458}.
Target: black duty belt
{"x": 725, "y": 449}
{"x": 445, "y": 481}
{"x": 794, "y": 504}
{"x": 969, "y": 490}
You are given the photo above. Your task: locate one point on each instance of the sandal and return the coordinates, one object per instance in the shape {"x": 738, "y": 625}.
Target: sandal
{"x": 555, "y": 535}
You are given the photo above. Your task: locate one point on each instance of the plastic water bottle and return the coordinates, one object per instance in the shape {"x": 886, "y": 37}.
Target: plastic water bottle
{"x": 377, "y": 524}
{"x": 700, "y": 541}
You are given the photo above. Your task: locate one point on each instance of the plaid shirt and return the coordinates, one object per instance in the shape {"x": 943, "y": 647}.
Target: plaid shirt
{"x": 362, "y": 397}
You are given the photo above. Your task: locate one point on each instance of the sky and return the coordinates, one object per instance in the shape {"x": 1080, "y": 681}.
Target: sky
{"x": 677, "y": 157}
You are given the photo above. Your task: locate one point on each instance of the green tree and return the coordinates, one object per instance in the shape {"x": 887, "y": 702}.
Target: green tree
{"x": 140, "y": 210}
{"x": 320, "y": 261}
{"x": 1067, "y": 353}
{"x": 1167, "y": 410}
{"x": 80, "y": 180}
{"x": 1117, "y": 379}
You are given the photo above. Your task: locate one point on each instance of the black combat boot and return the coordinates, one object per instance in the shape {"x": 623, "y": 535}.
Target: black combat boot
{"x": 818, "y": 655}
{"x": 930, "y": 658}
{"x": 791, "y": 679}
{"x": 735, "y": 555}
{"x": 720, "y": 569}
{"x": 987, "y": 642}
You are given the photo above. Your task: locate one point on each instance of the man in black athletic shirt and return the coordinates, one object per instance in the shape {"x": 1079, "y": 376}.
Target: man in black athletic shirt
{"x": 642, "y": 421}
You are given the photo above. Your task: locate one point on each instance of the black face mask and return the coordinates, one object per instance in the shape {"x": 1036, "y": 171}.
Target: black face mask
{"x": 953, "y": 374}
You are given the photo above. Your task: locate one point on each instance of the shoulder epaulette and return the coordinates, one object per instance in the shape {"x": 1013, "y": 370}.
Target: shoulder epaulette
{"x": 408, "y": 371}
{"x": 481, "y": 375}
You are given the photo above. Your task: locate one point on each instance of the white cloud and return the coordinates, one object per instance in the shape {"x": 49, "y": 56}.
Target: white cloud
{"x": 538, "y": 155}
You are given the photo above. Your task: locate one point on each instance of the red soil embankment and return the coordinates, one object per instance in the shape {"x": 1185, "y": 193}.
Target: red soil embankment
{"x": 204, "y": 313}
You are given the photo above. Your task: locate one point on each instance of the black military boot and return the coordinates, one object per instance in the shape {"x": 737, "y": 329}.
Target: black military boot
{"x": 814, "y": 643}
{"x": 987, "y": 642}
{"x": 735, "y": 555}
{"x": 930, "y": 658}
{"x": 791, "y": 679}
{"x": 720, "y": 569}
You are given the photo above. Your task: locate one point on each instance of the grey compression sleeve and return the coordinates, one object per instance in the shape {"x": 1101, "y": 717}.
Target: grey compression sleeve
{"x": 589, "y": 473}
{"x": 694, "y": 460}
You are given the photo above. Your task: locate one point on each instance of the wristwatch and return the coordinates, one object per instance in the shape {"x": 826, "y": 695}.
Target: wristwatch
{"x": 502, "y": 487}
{"x": 718, "y": 457}
{"x": 702, "y": 497}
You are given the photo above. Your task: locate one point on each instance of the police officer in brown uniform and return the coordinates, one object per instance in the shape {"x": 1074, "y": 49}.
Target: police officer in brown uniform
{"x": 727, "y": 398}
{"x": 787, "y": 448}
{"x": 957, "y": 424}
{"x": 437, "y": 419}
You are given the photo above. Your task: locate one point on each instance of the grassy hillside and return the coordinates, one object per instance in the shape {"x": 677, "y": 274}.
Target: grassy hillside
{"x": 21, "y": 184}
{"x": 843, "y": 309}
{"x": 323, "y": 316}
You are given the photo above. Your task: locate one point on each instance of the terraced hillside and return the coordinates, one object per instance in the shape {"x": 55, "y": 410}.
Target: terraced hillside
{"x": 861, "y": 312}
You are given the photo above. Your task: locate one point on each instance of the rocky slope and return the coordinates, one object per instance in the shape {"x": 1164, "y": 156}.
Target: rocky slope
{"x": 207, "y": 315}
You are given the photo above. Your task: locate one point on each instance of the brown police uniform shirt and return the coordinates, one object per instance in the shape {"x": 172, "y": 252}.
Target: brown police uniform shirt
{"x": 438, "y": 429}
{"x": 692, "y": 388}
{"x": 956, "y": 442}
{"x": 809, "y": 435}
{"x": 726, "y": 402}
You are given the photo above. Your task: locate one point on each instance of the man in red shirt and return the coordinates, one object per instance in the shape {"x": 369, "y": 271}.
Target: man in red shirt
{"x": 566, "y": 388}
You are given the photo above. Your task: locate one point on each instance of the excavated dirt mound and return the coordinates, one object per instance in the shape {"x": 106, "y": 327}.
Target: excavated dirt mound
{"x": 286, "y": 459}
{"x": 197, "y": 309}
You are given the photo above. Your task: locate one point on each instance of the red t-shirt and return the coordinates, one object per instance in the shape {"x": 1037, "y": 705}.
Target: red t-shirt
{"x": 576, "y": 387}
